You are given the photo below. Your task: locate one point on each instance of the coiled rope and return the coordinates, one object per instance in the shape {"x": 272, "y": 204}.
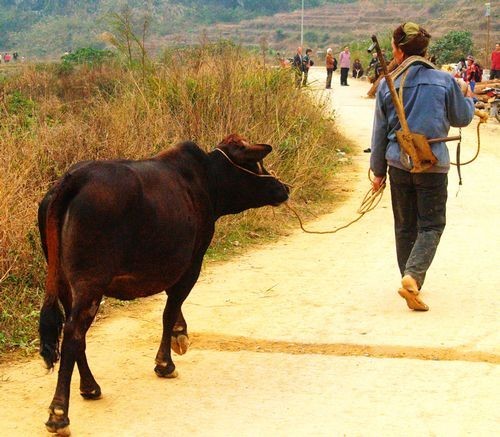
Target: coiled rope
{"x": 369, "y": 203}
{"x": 483, "y": 118}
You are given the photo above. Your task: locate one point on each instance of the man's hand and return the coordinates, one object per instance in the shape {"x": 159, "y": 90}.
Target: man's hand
{"x": 377, "y": 182}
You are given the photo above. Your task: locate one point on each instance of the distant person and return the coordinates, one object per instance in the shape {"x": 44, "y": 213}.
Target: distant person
{"x": 6, "y": 57}
{"x": 0, "y": 58}
{"x": 283, "y": 62}
{"x": 330, "y": 67}
{"x": 372, "y": 70}
{"x": 495, "y": 63}
{"x": 460, "y": 69}
{"x": 298, "y": 67}
{"x": 15, "y": 55}
{"x": 357, "y": 69}
{"x": 472, "y": 73}
{"x": 345, "y": 65}
{"x": 307, "y": 63}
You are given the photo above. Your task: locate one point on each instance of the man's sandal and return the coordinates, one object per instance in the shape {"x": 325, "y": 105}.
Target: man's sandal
{"x": 410, "y": 292}
{"x": 412, "y": 300}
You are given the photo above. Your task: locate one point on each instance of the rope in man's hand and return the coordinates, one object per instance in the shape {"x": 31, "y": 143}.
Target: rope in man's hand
{"x": 370, "y": 201}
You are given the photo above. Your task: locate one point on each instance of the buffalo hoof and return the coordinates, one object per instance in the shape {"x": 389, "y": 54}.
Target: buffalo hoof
{"x": 58, "y": 422}
{"x": 166, "y": 371}
{"x": 180, "y": 343}
{"x": 91, "y": 395}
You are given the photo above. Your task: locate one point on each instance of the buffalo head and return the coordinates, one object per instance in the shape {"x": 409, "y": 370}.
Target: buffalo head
{"x": 242, "y": 180}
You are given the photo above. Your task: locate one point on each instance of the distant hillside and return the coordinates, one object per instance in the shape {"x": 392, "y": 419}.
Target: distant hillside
{"x": 333, "y": 25}
{"x": 48, "y": 28}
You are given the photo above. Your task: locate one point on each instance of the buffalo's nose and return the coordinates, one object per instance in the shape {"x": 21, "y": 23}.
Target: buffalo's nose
{"x": 287, "y": 188}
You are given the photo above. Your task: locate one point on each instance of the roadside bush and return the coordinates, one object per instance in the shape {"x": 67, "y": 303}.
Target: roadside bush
{"x": 199, "y": 93}
{"x": 85, "y": 56}
{"x": 452, "y": 46}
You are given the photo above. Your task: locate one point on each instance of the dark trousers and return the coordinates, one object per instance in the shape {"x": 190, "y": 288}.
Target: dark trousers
{"x": 344, "y": 72}
{"x": 304, "y": 77}
{"x": 329, "y": 73}
{"x": 494, "y": 74}
{"x": 419, "y": 208}
{"x": 357, "y": 73}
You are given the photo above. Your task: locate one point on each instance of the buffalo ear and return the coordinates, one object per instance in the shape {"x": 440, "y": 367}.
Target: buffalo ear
{"x": 257, "y": 152}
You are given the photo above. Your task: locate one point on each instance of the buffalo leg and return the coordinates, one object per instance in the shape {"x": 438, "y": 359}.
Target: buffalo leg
{"x": 180, "y": 338}
{"x": 73, "y": 348}
{"x": 165, "y": 367}
{"x": 89, "y": 388}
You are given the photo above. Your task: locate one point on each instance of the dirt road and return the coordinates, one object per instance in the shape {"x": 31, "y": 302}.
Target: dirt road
{"x": 308, "y": 336}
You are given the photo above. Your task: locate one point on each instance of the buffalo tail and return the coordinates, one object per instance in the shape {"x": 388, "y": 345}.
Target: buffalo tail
{"x": 51, "y": 215}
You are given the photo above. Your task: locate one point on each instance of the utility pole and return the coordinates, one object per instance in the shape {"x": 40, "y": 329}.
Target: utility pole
{"x": 487, "y": 14}
{"x": 302, "y": 26}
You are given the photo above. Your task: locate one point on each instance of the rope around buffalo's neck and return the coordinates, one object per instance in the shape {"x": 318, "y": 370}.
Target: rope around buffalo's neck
{"x": 245, "y": 169}
{"x": 369, "y": 202}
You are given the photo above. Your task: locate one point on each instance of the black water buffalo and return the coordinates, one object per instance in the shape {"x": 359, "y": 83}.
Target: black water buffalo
{"x": 130, "y": 229}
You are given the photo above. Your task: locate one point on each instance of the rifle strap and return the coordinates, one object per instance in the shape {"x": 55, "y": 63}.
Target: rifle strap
{"x": 408, "y": 62}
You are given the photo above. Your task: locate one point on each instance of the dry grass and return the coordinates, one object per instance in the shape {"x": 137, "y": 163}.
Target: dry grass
{"x": 53, "y": 118}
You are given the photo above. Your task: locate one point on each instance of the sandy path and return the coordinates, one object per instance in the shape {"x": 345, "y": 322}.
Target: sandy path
{"x": 308, "y": 336}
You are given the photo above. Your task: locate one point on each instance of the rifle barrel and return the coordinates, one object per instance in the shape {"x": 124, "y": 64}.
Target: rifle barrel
{"x": 444, "y": 139}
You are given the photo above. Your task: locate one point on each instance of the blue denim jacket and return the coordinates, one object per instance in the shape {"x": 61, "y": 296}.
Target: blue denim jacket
{"x": 433, "y": 101}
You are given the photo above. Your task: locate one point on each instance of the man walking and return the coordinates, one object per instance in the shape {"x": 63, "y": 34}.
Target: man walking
{"x": 345, "y": 64}
{"x": 433, "y": 102}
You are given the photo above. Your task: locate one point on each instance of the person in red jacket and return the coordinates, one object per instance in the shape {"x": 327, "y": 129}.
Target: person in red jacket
{"x": 495, "y": 63}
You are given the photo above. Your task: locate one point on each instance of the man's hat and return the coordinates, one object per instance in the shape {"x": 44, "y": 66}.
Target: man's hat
{"x": 411, "y": 38}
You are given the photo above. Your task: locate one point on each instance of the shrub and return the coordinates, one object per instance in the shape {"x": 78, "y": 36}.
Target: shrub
{"x": 280, "y": 35}
{"x": 452, "y": 46}
{"x": 311, "y": 37}
{"x": 88, "y": 56}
